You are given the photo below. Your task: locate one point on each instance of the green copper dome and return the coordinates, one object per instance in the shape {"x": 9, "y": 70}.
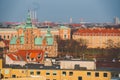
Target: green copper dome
{"x": 13, "y": 40}
{"x": 63, "y": 27}
{"x": 22, "y": 40}
{"x": 48, "y": 33}
{"x": 20, "y": 26}
{"x": 38, "y": 41}
{"x": 50, "y": 40}
{"x": 48, "y": 37}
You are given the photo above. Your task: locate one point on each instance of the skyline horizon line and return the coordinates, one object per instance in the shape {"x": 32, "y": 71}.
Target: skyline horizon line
{"x": 78, "y": 20}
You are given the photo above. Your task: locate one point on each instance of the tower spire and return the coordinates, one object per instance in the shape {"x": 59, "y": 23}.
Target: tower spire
{"x": 28, "y": 21}
{"x": 48, "y": 30}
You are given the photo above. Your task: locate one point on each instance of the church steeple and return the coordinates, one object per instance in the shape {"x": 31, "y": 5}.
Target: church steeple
{"x": 28, "y": 21}
{"x": 48, "y": 32}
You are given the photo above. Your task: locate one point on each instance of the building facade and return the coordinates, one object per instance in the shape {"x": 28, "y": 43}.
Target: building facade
{"x": 52, "y": 74}
{"x": 63, "y": 32}
{"x": 28, "y": 37}
{"x": 71, "y": 64}
{"x": 56, "y": 74}
{"x": 97, "y": 38}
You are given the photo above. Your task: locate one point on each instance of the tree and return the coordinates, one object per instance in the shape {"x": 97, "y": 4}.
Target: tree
{"x": 110, "y": 43}
{"x": 82, "y": 42}
{"x": 71, "y": 47}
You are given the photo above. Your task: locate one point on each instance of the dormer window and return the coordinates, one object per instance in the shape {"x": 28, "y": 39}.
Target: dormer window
{"x": 32, "y": 59}
{"x": 39, "y": 56}
{"x": 46, "y": 48}
{"x": 28, "y": 56}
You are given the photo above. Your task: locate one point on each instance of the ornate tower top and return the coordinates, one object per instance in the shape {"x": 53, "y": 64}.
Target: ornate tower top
{"x": 29, "y": 21}
{"x": 48, "y": 32}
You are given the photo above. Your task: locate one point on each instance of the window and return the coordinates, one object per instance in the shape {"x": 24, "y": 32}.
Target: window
{"x": 65, "y": 36}
{"x": 28, "y": 57}
{"x": 88, "y": 73}
{"x": 96, "y": 74}
{"x": 54, "y": 73}
{"x": 105, "y": 75}
{"x": 32, "y": 59}
{"x": 116, "y": 75}
{"x": 47, "y": 73}
{"x": 13, "y": 76}
{"x": 64, "y": 73}
{"x": 70, "y": 73}
{"x": 39, "y": 56}
{"x": 31, "y": 73}
{"x": 38, "y": 72}
{"x": 8, "y": 36}
{"x": 79, "y": 78}
{"x": 4, "y": 36}
{"x": 23, "y": 71}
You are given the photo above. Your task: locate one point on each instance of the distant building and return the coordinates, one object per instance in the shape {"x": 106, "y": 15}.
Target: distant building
{"x": 73, "y": 64}
{"x": 28, "y": 37}
{"x": 97, "y": 38}
{"x": 116, "y": 21}
{"x": 62, "y": 31}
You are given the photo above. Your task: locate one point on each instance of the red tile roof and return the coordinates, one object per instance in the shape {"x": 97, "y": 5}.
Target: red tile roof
{"x": 13, "y": 57}
{"x": 75, "y": 25}
{"x": 98, "y": 32}
{"x": 22, "y": 54}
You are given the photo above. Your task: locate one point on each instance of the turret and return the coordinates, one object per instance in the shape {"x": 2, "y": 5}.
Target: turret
{"x": 29, "y": 21}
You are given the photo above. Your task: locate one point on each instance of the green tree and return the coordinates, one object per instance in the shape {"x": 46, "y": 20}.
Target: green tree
{"x": 110, "y": 43}
{"x": 71, "y": 47}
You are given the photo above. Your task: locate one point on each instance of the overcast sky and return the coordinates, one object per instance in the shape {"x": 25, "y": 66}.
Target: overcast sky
{"x": 60, "y": 10}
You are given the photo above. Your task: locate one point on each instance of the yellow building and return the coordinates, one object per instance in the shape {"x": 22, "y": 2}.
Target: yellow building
{"x": 32, "y": 78}
{"x": 97, "y": 38}
{"x": 54, "y": 74}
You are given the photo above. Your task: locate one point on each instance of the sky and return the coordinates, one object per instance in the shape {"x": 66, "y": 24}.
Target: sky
{"x": 60, "y": 10}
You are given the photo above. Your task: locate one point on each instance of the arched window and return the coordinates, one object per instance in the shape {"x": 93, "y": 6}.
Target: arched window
{"x": 65, "y": 36}
{"x": 4, "y": 36}
{"x": 8, "y": 36}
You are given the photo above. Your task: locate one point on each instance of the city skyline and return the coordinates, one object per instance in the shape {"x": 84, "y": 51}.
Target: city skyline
{"x": 60, "y": 11}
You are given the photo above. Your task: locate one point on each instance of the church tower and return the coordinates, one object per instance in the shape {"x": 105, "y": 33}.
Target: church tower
{"x": 28, "y": 32}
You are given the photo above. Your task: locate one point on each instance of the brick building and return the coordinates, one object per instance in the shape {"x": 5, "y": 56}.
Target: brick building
{"x": 28, "y": 37}
{"x": 96, "y": 38}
